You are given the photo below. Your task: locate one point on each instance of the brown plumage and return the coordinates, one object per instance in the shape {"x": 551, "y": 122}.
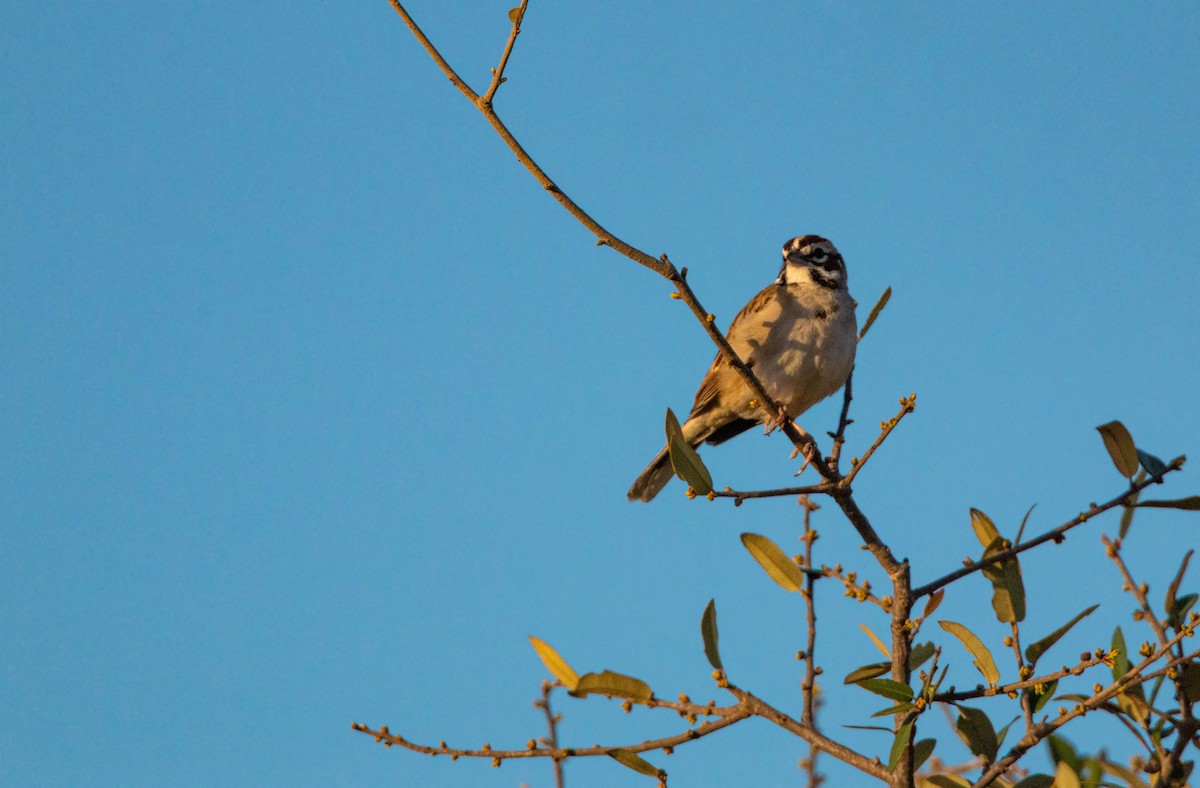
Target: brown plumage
{"x": 799, "y": 334}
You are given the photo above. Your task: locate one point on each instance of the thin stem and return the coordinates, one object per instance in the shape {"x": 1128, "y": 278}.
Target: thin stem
{"x": 498, "y": 71}
{"x": 1055, "y": 534}
{"x": 551, "y": 739}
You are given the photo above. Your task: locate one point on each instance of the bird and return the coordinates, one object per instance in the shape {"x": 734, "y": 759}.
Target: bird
{"x": 798, "y": 335}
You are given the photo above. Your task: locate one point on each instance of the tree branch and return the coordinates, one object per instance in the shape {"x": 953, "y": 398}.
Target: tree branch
{"x": 1053, "y": 534}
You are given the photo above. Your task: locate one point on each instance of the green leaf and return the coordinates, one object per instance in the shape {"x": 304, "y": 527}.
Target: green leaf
{"x": 899, "y": 708}
{"x": 947, "y": 781}
{"x": 782, "y": 569}
{"x": 985, "y": 529}
{"x": 1024, "y": 520}
{"x": 1178, "y": 614}
{"x": 708, "y": 631}
{"x": 614, "y": 684}
{"x": 1154, "y": 466}
{"x": 1040, "y": 699}
{"x": 875, "y": 639}
{"x": 557, "y": 665}
{"x": 1008, "y": 590}
{"x": 1120, "y": 447}
{"x": 1171, "y": 601}
{"x": 921, "y": 752}
{"x": 1120, "y": 666}
{"x": 684, "y": 460}
{"x": 903, "y": 737}
{"x": 977, "y": 732}
{"x": 1036, "y": 781}
{"x": 888, "y": 688}
{"x": 1002, "y": 733}
{"x": 1127, "y": 509}
{"x": 1061, "y": 751}
{"x": 983, "y": 658}
{"x": 1189, "y": 681}
{"x": 1189, "y": 504}
{"x": 871, "y": 671}
{"x": 634, "y": 761}
{"x": 875, "y": 310}
{"x": 1036, "y": 649}
{"x": 919, "y": 654}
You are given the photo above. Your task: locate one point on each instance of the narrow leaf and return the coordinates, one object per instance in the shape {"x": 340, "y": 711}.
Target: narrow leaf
{"x": 1177, "y": 615}
{"x": 1189, "y": 681}
{"x": 874, "y": 670}
{"x": 1173, "y": 588}
{"x": 899, "y": 744}
{"x": 782, "y": 569}
{"x": 1127, "y": 509}
{"x": 634, "y": 761}
{"x": 983, "y": 658}
{"x": 1036, "y": 649}
{"x": 1120, "y": 665}
{"x": 921, "y": 752}
{"x": 1154, "y": 466}
{"x": 977, "y": 732}
{"x": 708, "y": 631}
{"x": 615, "y": 684}
{"x": 557, "y": 665}
{"x": 985, "y": 529}
{"x": 1061, "y": 751}
{"x": 684, "y": 460}
{"x": 888, "y": 688}
{"x": 1008, "y": 590}
{"x": 947, "y": 781}
{"x": 1003, "y": 733}
{"x": 875, "y": 639}
{"x": 1189, "y": 504}
{"x": 891, "y": 711}
{"x": 919, "y": 654}
{"x": 1024, "y": 520}
{"x": 875, "y": 310}
{"x": 932, "y": 603}
{"x": 869, "y": 728}
{"x": 1120, "y": 447}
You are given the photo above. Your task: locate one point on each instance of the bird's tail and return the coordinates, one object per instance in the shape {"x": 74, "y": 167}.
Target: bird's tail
{"x": 651, "y": 481}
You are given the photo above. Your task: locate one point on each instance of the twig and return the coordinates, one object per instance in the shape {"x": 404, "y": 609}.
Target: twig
{"x": 551, "y": 739}
{"x": 1053, "y": 534}
{"x": 907, "y": 405}
{"x": 498, "y": 71}
{"x": 808, "y": 688}
{"x": 1139, "y": 591}
{"x": 741, "y": 495}
{"x": 844, "y": 421}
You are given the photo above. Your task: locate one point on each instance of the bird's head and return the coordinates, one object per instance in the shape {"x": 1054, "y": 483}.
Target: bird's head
{"x": 811, "y": 258}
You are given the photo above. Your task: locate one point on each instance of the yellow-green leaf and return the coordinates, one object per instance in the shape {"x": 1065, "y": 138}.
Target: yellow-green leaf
{"x": 1008, "y": 590}
{"x": 947, "y": 781}
{"x": 919, "y": 653}
{"x": 515, "y": 14}
{"x": 1036, "y": 649}
{"x": 782, "y": 569}
{"x": 1036, "y": 781}
{"x": 708, "y": 631}
{"x": 921, "y": 752}
{"x": 1120, "y": 447}
{"x": 875, "y": 310}
{"x": 874, "y": 670}
{"x": 634, "y": 761}
{"x": 1190, "y": 504}
{"x": 875, "y": 639}
{"x": 557, "y": 665}
{"x": 983, "y": 658}
{"x": 985, "y": 529}
{"x": 1127, "y": 509}
{"x": 932, "y": 603}
{"x": 684, "y": 460}
{"x": 615, "y": 684}
{"x": 1065, "y": 776}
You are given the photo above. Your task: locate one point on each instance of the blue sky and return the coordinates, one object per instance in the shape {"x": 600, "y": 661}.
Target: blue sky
{"x": 315, "y": 405}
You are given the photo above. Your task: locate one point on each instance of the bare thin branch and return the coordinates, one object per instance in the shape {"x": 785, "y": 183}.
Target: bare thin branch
{"x": 498, "y": 71}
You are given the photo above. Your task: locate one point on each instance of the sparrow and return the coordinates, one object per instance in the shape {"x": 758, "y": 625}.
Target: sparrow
{"x": 798, "y": 334}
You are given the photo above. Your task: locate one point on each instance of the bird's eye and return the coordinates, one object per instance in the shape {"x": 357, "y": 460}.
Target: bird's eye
{"x": 818, "y": 255}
